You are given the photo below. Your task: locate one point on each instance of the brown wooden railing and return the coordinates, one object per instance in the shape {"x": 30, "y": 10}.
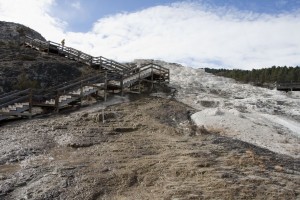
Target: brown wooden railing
{"x": 75, "y": 54}
{"x": 116, "y": 76}
{"x": 288, "y": 86}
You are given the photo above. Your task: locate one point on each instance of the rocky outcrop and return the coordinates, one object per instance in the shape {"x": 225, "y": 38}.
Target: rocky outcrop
{"x": 22, "y": 67}
{"x": 10, "y": 32}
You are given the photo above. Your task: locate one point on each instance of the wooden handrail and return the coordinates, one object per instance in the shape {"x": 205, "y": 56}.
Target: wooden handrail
{"x": 14, "y": 95}
{"x": 116, "y": 71}
{"x": 18, "y": 100}
{"x": 105, "y": 62}
{"x": 8, "y": 93}
{"x": 80, "y": 55}
{"x": 132, "y": 72}
{"x": 80, "y": 82}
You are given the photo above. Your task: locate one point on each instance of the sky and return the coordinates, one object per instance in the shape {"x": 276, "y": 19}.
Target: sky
{"x": 242, "y": 34}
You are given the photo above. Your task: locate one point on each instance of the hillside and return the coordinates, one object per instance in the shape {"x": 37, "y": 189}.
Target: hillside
{"x": 22, "y": 67}
{"x": 201, "y": 137}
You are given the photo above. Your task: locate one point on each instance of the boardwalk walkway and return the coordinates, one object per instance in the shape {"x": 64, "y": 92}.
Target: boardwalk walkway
{"x": 112, "y": 76}
{"x": 288, "y": 86}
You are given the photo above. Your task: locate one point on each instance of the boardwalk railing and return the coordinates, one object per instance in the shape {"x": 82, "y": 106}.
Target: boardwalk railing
{"x": 20, "y": 103}
{"x": 288, "y": 86}
{"x": 116, "y": 76}
{"x": 71, "y": 53}
{"x": 155, "y": 72}
{"x": 15, "y": 103}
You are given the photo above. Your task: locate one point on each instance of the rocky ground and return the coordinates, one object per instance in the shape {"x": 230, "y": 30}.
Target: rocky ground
{"x": 146, "y": 148}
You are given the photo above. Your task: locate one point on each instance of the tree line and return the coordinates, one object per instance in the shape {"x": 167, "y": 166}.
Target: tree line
{"x": 260, "y": 76}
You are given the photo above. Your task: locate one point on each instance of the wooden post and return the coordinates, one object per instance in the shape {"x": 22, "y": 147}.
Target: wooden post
{"x": 159, "y": 80}
{"x": 103, "y": 116}
{"x": 100, "y": 63}
{"x": 48, "y": 51}
{"x": 30, "y": 103}
{"x": 121, "y": 85}
{"x": 139, "y": 81}
{"x": 152, "y": 82}
{"x": 81, "y": 92}
{"x": 57, "y": 102}
{"x": 105, "y": 87}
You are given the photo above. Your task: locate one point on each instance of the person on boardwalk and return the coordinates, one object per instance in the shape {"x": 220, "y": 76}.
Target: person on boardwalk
{"x": 62, "y": 44}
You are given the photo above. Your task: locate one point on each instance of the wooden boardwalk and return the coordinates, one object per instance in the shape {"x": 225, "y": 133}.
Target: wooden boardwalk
{"x": 288, "y": 86}
{"x": 74, "y": 54}
{"x": 112, "y": 76}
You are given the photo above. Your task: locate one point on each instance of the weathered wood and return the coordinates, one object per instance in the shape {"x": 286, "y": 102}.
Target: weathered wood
{"x": 123, "y": 75}
{"x": 288, "y": 86}
{"x": 30, "y": 102}
{"x": 57, "y": 102}
{"x": 18, "y": 100}
{"x": 7, "y": 94}
{"x": 14, "y": 95}
{"x": 14, "y": 113}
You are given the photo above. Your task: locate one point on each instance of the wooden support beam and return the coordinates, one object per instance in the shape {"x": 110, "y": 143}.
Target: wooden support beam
{"x": 48, "y": 50}
{"x": 139, "y": 81}
{"x": 122, "y": 86}
{"x": 13, "y": 113}
{"x": 105, "y": 87}
{"x": 152, "y": 84}
{"x": 43, "y": 105}
{"x": 30, "y": 102}
{"x": 57, "y": 102}
{"x": 81, "y": 92}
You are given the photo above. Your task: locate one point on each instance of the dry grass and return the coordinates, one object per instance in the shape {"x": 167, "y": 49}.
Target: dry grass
{"x": 155, "y": 160}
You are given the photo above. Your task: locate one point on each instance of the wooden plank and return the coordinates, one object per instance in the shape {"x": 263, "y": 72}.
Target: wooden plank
{"x": 288, "y": 86}
{"x": 43, "y": 105}
{"x": 13, "y": 113}
{"x": 96, "y": 86}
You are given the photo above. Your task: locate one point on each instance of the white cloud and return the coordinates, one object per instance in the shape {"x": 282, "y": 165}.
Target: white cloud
{"x": 187, "y": 33}
{"x": 33, "y": 13}
{"x": 76, "y": 5}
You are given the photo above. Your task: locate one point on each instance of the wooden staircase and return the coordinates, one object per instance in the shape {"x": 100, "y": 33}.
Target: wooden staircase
{"x": 15, "y": 103}
{"x": 112, "y": 76}
{"x": 74, "y": 54}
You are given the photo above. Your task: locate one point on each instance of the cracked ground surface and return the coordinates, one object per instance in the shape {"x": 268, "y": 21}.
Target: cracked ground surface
{"x": 145, "y": 149}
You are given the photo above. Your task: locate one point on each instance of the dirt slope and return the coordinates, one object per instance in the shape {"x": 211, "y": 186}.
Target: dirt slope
{"x": 146, "y": 149}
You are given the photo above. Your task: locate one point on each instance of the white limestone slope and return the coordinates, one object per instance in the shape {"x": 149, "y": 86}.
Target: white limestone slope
{"x": 268, "y": 118}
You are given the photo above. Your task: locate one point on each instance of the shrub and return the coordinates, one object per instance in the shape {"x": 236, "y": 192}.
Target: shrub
{"x": 24, "y": 83}
{"x": 2, "y": 43}
{"x": 28, "y": 58}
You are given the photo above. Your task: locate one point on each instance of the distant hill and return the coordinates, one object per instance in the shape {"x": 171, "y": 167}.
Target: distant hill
{"x": 263, "y": 76}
